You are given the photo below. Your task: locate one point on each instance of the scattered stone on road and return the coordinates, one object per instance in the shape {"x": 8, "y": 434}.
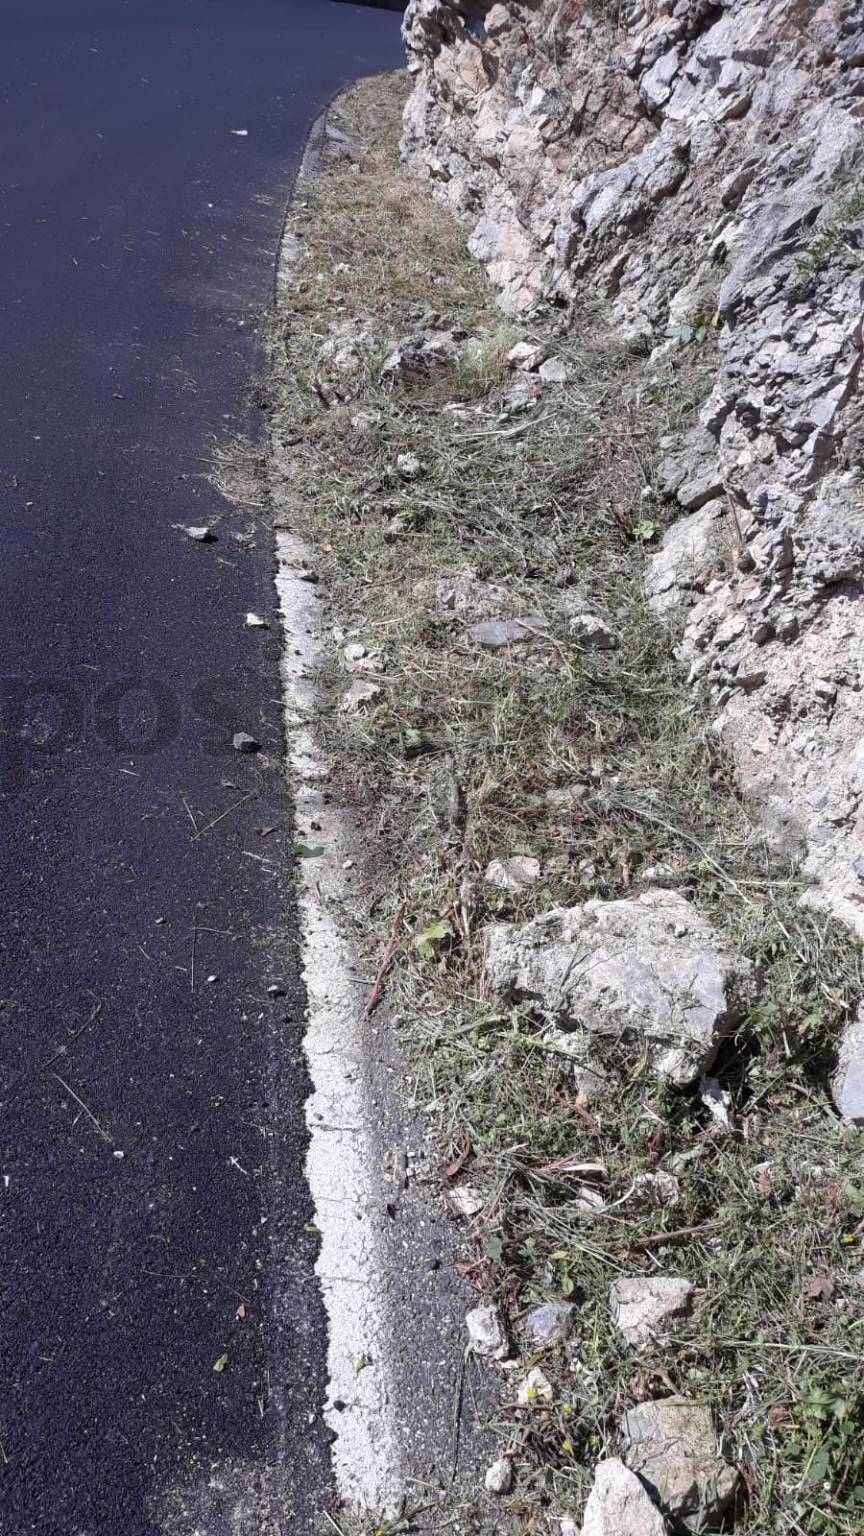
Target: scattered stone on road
{"x": 487, "y": 1333}
{"x": 650, "y": 971}
{"x": 644, "y": 1306}
{"x": 619, "y": 1505}
{"x": 201, "y": 535}
{"x": 243, "y": 742}
{"x": 671, "y": 1444}
{"x": 255, "y": 621}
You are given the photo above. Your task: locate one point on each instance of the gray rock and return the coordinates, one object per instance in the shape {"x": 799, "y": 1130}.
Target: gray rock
{"x": 499, "y": 1477}
{"x": 418, "y": 354}
{"x": 462, "y": 593}
{"x": 618, "y": 1504}
{"x": 467, "y": 1199}
{"x": 554, "y": 371}
{"x": 497, "y": 633}
{"x": 487, "y": 1333}
{"x": 243, "y": 742}
{"x": 527, "y": 356}
{"x": 514, "y": 874}
{"x": 255, "y": 621}
{"x": 201, "y": 535}
{"x": 568, "y": 798}
{"x": 671, "y": 1444}
{"x": 592, "y": 633}
{"x": 848, "y": 1085}
{"x": 550, "y": 1323}
{"x": 646, "y": 1306}
{"x": 650, "y": 973}
{"x": 409, "y": 466}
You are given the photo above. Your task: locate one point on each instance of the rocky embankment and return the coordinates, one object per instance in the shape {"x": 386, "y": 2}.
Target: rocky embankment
{"x": 700, "y": 168}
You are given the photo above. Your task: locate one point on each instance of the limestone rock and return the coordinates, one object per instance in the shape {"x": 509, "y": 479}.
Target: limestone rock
{"x": 848, "y": 1085}
{"x": 497, "y": 633}
{"x": 526, "y": 355}
{"x": 646, "y": 1306}
{"x": 418, "y": 354}
{"x": 462, "y": 593}
{"x": 554, "y": 371}
{"x": 671, "y": 1444}
{"x": 696, "y": 162}
{"x": 618, "y": 1504}
{"x": 550, "y": 1323}
{"x": 592, "y": 633}
{"x": 499, "y": 1477}
{"x": 649, "y": 973}
{"x": 514, "y": 874}
{"x": 487, "y": 1333}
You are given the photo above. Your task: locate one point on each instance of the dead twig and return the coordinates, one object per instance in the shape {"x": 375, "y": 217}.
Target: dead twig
{"x": 388, "y": 956}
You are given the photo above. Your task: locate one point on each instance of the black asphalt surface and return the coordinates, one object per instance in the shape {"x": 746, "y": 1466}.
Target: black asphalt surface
{"x": 154, "y": 1216}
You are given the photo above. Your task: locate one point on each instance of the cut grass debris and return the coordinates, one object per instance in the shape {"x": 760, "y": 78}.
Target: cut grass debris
{"x": 602, "y": 766}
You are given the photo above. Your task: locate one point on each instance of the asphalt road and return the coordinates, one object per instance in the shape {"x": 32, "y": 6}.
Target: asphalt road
{"x": 154, "y": 1216}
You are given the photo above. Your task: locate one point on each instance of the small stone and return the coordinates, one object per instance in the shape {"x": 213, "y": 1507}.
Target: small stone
{"x": 243, "y": 742}
{"x": 354, "y": 652}
{"x": 201, "y": 535}
{"x": 657, "y": 1188}
{"x": 487, "y": 1333}
{"x": 467, "y": 1200}
{"x": 526, "y": 356}
{"x": 365, "y": 421}
{"x": 589, "y": 631}
{"x": 550, "y": 1323}
{"x": 212, "y": 980}
{"x": 554, "y": 371}
{"x": 567, "y": 1527}
{"x": 618, "y": 1505}
{"x": 500, "y": 632}
{"x": 569, "y": 798}
{"x": 308, "y": 575}
{"x": 717, "y": 1100}
{"x": 536, "y": 1388}
{"x": 515, "y": 874}
{"x": 642, "y": 1307}
{"x": 359, "y": 695}
{"x": 409, "y": 466}
{"x": 255, "y": 621}
{"x": 499, "y": 1477}
{"x": 275, "y": 991}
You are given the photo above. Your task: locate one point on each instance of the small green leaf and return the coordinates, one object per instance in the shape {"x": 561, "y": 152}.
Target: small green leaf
{"x": 362, "y": 1362}
{"x": 436, "y": 934}
{"x": 221, "y": 1363}
{"x": 302, "y": 852}
{"x": 645, "y": 531}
